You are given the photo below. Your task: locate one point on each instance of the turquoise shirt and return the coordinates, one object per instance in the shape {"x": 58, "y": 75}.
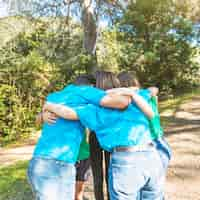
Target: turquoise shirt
{"x": 61, "y": 141}
{"x": 113, "y": 128}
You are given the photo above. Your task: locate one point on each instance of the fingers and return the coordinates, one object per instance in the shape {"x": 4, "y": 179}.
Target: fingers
{"x": 49, "y": 117}
{"x": 154, "y": 91}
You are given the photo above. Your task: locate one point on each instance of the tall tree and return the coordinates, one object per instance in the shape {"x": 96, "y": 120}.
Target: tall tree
{"x": 89, "y": 12}
{"x": 157, "y": 43}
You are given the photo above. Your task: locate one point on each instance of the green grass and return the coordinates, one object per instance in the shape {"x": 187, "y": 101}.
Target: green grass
{"x": 13, "y": 182}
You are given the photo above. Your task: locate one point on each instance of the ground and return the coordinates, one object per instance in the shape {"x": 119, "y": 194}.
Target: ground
{"x": 183, "y": 134}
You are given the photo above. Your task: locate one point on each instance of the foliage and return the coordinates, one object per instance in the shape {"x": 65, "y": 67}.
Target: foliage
{"x": 153, "y": 38}
{"x": 32, "y": 65}
{"x": 156, "y": 43}
{"x": 8, "y": 106}
{"x": 108, "y": 51}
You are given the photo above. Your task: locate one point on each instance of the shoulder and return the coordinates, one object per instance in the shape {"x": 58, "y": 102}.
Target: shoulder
{"x": 145, "y": 93}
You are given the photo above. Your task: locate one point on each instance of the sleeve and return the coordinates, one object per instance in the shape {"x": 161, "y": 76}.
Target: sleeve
{"x": 88, "y": 116}
{"x": 93, "y": 95}
{"x": 53, "y": 98}
{"x": 49, "y": 98}
{"x": 145, "y": 93}
{"x": 155, "y": 125}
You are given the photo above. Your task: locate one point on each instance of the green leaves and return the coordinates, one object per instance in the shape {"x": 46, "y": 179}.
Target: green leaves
{"x": 157, "y": 44}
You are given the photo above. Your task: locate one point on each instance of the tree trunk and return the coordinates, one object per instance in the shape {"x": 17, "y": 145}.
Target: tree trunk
{"x": 90, "y": 28}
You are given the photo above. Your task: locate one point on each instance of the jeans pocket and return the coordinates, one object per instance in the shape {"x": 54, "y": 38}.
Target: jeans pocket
{"x": 123, "y": 179}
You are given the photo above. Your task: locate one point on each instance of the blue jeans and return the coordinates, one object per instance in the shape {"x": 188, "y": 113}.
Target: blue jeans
{"x": 165, "y": 154}
{"x": 133, "y": 173}
{"x": 51, "y": 179}
{"x": 164, "y": 151}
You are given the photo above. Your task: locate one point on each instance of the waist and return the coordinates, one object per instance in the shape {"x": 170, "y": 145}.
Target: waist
{"x": 68, "y": 155}
{"x": 136, "y": 148}
{"x": 51, "y": 161}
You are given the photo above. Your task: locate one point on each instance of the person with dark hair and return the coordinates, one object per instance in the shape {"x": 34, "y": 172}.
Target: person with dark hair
{"x": 130, "y": 80}
{"x": 135, "y": 163}
{"x": 99, "y": 157}
{"x": 51, "y": 171}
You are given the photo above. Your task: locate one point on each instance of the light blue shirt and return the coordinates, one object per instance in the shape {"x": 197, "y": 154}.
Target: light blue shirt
{"x": 61, "y": 141}
{"x": 115, "y": 128}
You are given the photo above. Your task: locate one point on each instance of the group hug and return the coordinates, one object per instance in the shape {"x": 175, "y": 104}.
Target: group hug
{"x": 121, "y": 122}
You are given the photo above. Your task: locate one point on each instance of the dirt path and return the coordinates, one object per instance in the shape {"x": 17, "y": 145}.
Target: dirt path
{"x": 10, "y": 156}
{"x": 183, "y": 134}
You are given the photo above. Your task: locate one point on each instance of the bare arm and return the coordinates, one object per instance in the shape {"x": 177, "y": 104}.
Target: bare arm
{"x": 110, "y": 101}
{"x": 61, "y": 111}
{"x": 46, "y": 116}
{"x": 140, "y": 102}
{"x": 122, "y": 91}
{"x": 143, "y": 105}
{"x": 154, "y": 91}
{"x": 122, "y": 102}
{"x": 115, "y": 101}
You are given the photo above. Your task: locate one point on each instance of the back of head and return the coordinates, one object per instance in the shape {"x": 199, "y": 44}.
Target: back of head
{"x": 128, "y": 79}
{"x": 106, "y": 80}
{"x": 84, "y": 79}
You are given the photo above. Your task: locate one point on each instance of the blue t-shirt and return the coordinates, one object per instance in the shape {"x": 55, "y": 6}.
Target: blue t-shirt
{"x": 61, "y": 141}
{"x": 114, "y": 128}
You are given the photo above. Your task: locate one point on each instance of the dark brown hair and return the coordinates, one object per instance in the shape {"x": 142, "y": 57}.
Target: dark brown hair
{"x": 128, "y": 79}
{"x": 84, "y": 79}
{"x": 106, "y": 80}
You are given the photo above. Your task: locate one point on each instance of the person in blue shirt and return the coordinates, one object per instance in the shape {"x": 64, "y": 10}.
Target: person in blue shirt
{"x": 51, "y": 171}
{"x": 135, "y": 163}
{"x": 128, "y": 79}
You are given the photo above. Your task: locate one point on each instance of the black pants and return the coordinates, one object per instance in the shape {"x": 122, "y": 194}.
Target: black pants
{"x": 97, "y": 156}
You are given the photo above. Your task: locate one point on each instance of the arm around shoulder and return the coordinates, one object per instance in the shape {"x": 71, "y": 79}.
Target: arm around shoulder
{"x": 61, "y": 111}
{"x": 115, "y": 101}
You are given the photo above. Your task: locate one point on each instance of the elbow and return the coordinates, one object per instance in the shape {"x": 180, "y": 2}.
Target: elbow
{"x": 123, "y": 105}
{"x": 150, "y": 114}
{"x": 125, "y": 101}
{"x": 72, "y": 115}
{"x": 117, "y": 102}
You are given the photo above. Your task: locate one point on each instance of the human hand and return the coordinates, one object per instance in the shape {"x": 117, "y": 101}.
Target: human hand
{"x": 49, "y": 117}
{"x": 154, "y": 91}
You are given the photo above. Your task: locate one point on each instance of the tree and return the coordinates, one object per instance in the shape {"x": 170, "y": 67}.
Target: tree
{"x": 189, "y": 9}
{"x": 34, "y": 63}
{"x": 89, "y": 12}
{"x": 157, "y": 44}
